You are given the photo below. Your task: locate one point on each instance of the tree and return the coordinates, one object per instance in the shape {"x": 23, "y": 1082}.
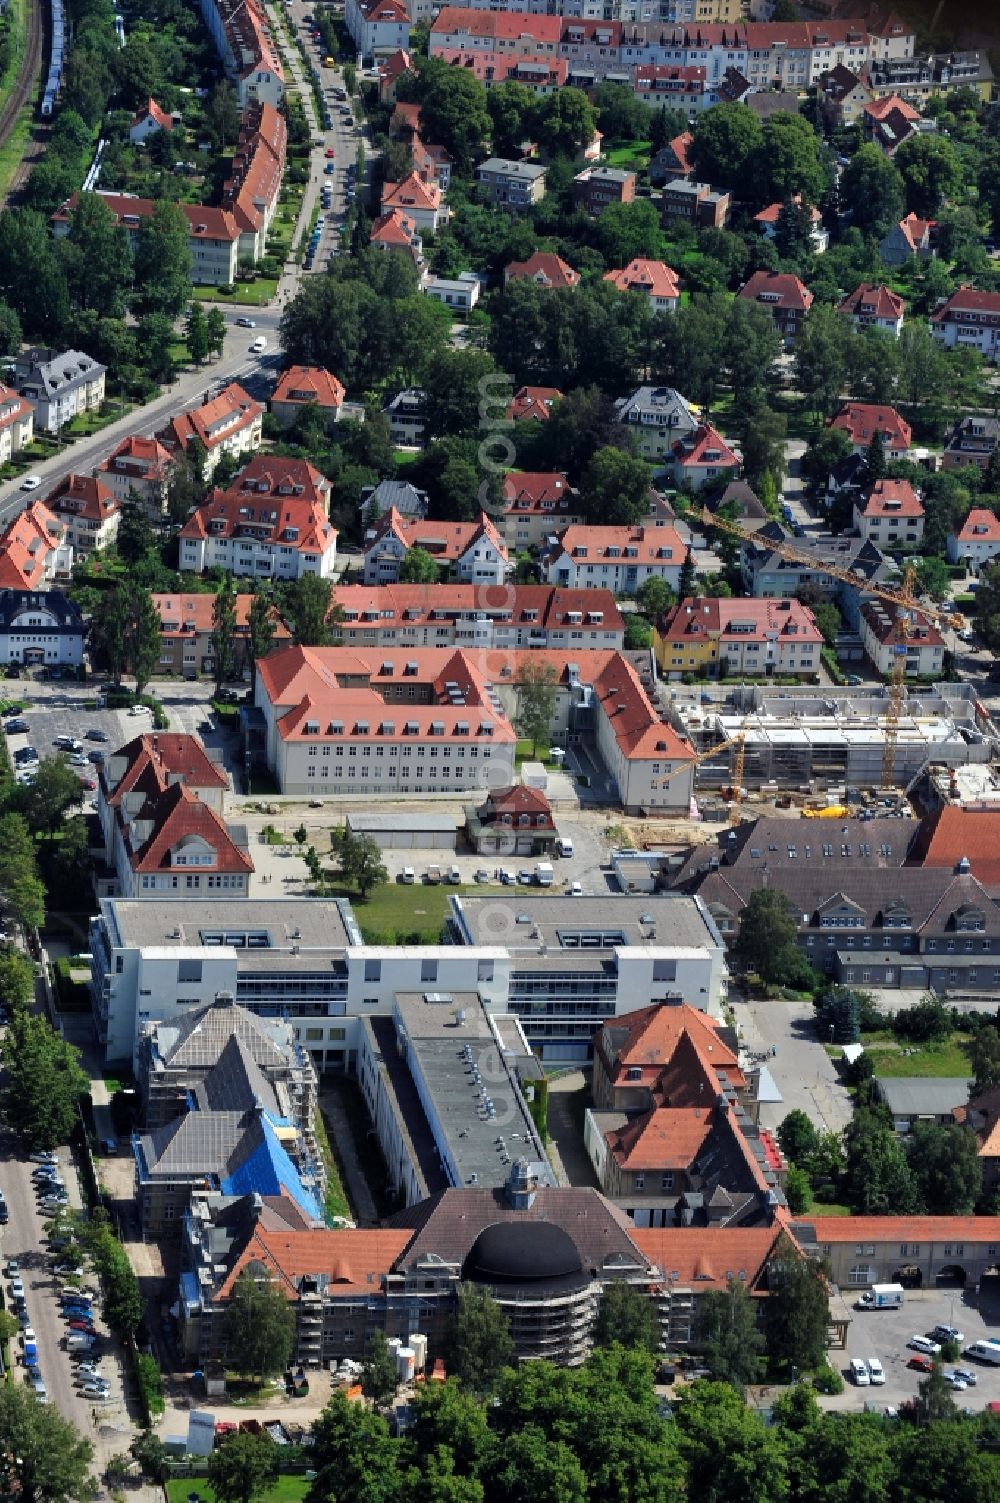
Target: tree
{"x": 653, "y": 597}
{"x": 821, "y": 357}
{"x": 729, "y": 1455}
{"x": 932, "y": 577}
{"x": 44, "y": 1081}
{"x": 767, "y": 941}
{"x": 628, "y": 1317}
{"x": 620, "y": 115}
{"x": 23, "y": 892}
{"x": 196, "y": 334}
{"x": 379, "y": 1379}
{"x": 453, "y": 383}
{"x": 614, "y": 489}
{"x": 305, "y": 606}
{"x": 479, "y": 1340}
{"x": 163, "y": 261}
{"x": 726, "y": 141}
{"x": 216, "y": 331}
{"x": 934, "y": 1403}
{"x": 259, "y": 1327}
{"x": 798, "y": 1191}
{"x": 224, "y": 630}
{"x": 565, "y": 122}
{"x": 537, "y": 686}
{"x": 97, "y": 258}
{"x": 797, "y": 1137}
{"x": 444, "y": 1414}
{"x": 828, "y": 619}
{"x": 787, "y": 161}
{"x": 454, "y": 113}
{"x": 222, "y": 115}
{"x": 46, "y": 802}
{"x": 838, "y": 1015}
{"x": 145, "y": 626}
{"x": 686, "y": 578}
{"x": 243, "y": 1467}
{"x": 151, "y": 1454}
{"x": 877, "y": 1177}
{"x": 984, "y": 1059}
{"x": 872, "y": 191}
{"x": 353, "y": 1454}
{"x": 45, "y": 1459}
{"x": 946, "y": 1168}
{"x": 511, "y": 107}
{"x": 361, "y": 863}
{"x": 261, "y": 626}
{"x": 17, "y": 978}
{"x": 797, "y": 1312}
{"x": 931, "y": 172}
{"x": 419, "y": 567}
{"x": 728, "y": 1335}
{"x": 822, "y": 455}
{"x": 136, "y": 538}
{"x": 875, "y": 461}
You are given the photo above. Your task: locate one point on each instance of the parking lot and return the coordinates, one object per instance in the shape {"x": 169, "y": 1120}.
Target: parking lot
{"x": 71, "y": 713}
{"x": 884, "y": 1334}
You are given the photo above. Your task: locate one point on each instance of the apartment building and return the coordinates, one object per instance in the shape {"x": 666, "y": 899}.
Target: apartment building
{"x": 33, "y": 549}
{"x": 976, "y": 540}
{"x": 213, "y": 234}
{"x": 619, "y": 559}
{"x": 656, "y": 417}
{"x": 463, "y": 615}
{"x": 252, "y": 190}
{"x": 888, "y": 632}
{"x": 786, "y": 298}
{"x": 684, "y": 201}
{"x": 88, "y": 512}
{"x": 536, "y": 505}
{"x": 40, "y": 627}
{"x": 474, "y": 551}
{"x": 141, "y": 467}
{"x": 307, "y": 386}
{"x": 706, "y": 636}
{"x": 862, "y": 420}
{"x": 242, "y": 35}
{"x": 59, "y": 387}
{"x": 187, "y": 634}
{"x": 17, "y": 423}
{"x": 596, "y": 187}
{"x": 890, "y": 513}
{"x": 873, "y": 305}
{"x": 973, "y": 440}
{"x": 969, "y": 319}
{"x": 271, "y": 523}
{"x": 229, "y": 423}
{"x": 513, "y": 185}
{"x": 378, "y": 28}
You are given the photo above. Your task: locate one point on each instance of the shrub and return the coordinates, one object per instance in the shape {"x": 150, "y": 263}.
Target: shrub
{"x": 828, "y": 1380}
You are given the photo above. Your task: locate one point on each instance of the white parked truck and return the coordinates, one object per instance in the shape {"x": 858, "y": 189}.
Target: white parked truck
{"x": 544, "y": 875}
{"x": 881, "y": 1297}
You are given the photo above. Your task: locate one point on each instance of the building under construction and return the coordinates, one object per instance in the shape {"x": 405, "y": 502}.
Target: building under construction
{"x": 810, "y": 742}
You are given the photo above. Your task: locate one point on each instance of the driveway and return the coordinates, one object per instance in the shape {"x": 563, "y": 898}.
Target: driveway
{"x": 802, "y": 1069}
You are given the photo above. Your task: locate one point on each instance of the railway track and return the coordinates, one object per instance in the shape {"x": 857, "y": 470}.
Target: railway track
{"x": 24, "y": 86}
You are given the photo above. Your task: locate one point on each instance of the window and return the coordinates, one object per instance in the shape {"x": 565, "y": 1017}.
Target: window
{"x": 314, "y": 1034}
{"x": 861, "y": 1273}
{"x": 667, "y": 1182}
{"x": 640, "y": 1181}
{"x": 373, "y": 970}
{"x": 428, "y": 971}
{"x": 189, "y": 971}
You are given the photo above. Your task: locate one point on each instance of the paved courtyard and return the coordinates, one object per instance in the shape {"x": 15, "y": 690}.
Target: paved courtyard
{"x": 803, "y": 1071}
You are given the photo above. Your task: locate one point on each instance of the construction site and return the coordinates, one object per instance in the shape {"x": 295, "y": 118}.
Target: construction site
{"x": 810, "y": 743}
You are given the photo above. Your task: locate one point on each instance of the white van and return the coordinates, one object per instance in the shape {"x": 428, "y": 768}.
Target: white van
{"x": 259, "y": 345}
{"x": 407, "y": 874}
{"x": 985, "y": 1351}
{"x": 859, "y": 1372}
{"x": 564, "y": 846}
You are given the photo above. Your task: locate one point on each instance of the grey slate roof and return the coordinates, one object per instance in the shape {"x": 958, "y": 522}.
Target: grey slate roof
{"x": 922, "y": 1097}
{"x": 200, "y": 1040}
{"x": 236, "y": 1083}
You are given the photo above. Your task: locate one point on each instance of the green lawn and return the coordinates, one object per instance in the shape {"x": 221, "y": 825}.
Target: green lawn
{"x": 525, "y": 752}
{"x": 634, "y": 154}
{"x": 948, "y": 1059}
{"x": 254, "y": 294}
{"x": 400, "y": 909}
{"x": 290, "y": 1488}
{"x": 820, "y": 1208}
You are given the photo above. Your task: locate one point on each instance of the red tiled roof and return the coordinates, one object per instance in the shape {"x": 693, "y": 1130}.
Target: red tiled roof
{"x": 533, "y": 402}
{"x": 354, "y": 1261}
{"x": 892, "y": 498}
{"x": 895, "y": 627}
{"x": 25, "y": 545}
{"x": 546, "y": 606}
{"x": 652, "y": 1034}
{"x": 543, "y": 267}
{"x": 204, "y": 221}
{"x": 655, "y": 278}
{"x": 214, "y": 421}
{"x": 179, "y": 815}
{"x": 709, "y": 617}
{"x": 190, "y": 615}
{"x": 653, "y": 545}
{"x": 862, "y": 420}
{"x": 518, "y": 799}
{"x": 411, "y": 192}
{"x": 874, "y": 300}
{"x": 84, "y": 496}
{"x": 681, "y": 146}
{"x": 155, "y": 760}
{"x": 153, "y": 111}
{"x": 777, "y": 289}
{"x": 980, "y": 526}
{"x": 525, "y": 490}
{"x": 952, "y": 834}
{"x": 137, "y": 455}
{"x": 446, "y": 540}
{"x": 634, "y": 722}
{"x": 772, "y": 213}
{"x": 877, "y": 109}
{"x": 968, "y": 300}
{"x": 393, "y": 67}
{"x": 309, "y": 383}
{"x": 915, "y": 230}
{"x": 703, "y": 447}
{"x": 663, "y": 1139}
{"x": 692, "y": 1258}
{"x": 511, "y": 26}
{"x": 969, "y": 1229}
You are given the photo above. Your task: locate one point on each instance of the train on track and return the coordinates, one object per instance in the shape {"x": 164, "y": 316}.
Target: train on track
{"x": 57, "y": 60}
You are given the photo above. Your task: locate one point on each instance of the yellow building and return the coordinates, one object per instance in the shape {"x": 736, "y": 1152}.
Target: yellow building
{"x": 720, "y": 12}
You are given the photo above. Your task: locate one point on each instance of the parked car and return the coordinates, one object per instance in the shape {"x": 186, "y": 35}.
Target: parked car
{"x": 94, "y": 734}
{"x": 68, "y": 743}
{"x": 967, "y": 1375}
{"x": 16, "y": 1289}
{"x": 954, "y": 1381}
{"x": 16, "y": 727}
{"x": 246, "y": 323}
{"x": 948, "y": 1333}
{"x": 139, "y": 710}
{"x": 859, "y": 1372}
{"x": 922, "y": 1364}
{"x": 925, "y": 1344}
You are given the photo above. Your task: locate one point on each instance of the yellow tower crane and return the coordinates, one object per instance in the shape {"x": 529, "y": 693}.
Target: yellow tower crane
{"x": 902, "y": 598}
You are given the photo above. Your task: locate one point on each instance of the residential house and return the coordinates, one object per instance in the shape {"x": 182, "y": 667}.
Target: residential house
{"x": 700, "y": 458}
{"x": 343, "y": 720}
{"x": 843, "y": 96}
{"x": 919, "y": 79}
{"x": 971, "y": 319}
{"x": 141, "y": 467}
{"x": 408, "y": 500}
{"x": 272, "y": 522}
{"x": 973, "y": 440}
{"x": 241, "y": 32}
{"x": 187, "y": 634}
{"x": 911, "y": 237}
{"x": 510, "y": 34}
{"x": 17, "y": 423}
{"x": 213, "y": 234}
{"x": 33, "y": 549}
{"x": 515, "y": 821}
{"x": 706, "y": 636}
{"x": 405, "y": 415}
{"x": 656, "y": 416}
{"x": 786, "y": 298}
{"x": 466, "y": 615}
{"x": 684, "y": 201}
{"x": 510, "y": 185}
{"x": 534, "y": 402}
{"x": 460, "y": 293}
{"x": 976, "y": 540}
{"x": 768, "y": 573}
{"x": 654, "y": 280}
{"x": 392, "y": 70}
{"x": 229, "y": 423}
{"x": 536, "y": 505}
{"x": 542, "y": 75}
{"x": 913, "y": 1099}
{"x": 396, "y": 231}
{"x": 307, "y": 386}
{"x": 890, "y": 514}
{"x": 544, "y": 268}
{"x": 156, "y": 846}
{"x": 886, "y": 629}
{"x": 679, "y": 88}
{"x": 59, "y": 387}
{"x": 475, "y": 551}
{"x": 422, "y": 203}
{"x": 596, "y": 187}
{"x": 147, "y": 767}
{"x": 41, "y": 627}
{"x": 750, "y": 512}
{"x": 88, "y": 510}
{"x": 889, "y": 121}
{"x": 148, "y": 121}
{"x": 378, "y": 28}
{"x": 251, "y": 192}
{"x": 768, "y": 218}
{"x": 873, "y": 305}
{"x": 862, "y": 420}
{"x": 672, "y": 161}
{"x": 619, "y": 559}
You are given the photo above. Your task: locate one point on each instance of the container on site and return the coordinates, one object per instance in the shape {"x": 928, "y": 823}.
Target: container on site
{"x": 544, "y": 875}
{"x": 405, "y": 1364}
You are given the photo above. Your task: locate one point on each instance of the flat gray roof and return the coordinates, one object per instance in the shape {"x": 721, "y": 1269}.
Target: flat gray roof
{"x": 653, "y": 920}
{"x": 308, "y": 923}
{"x": 480, "y": 1113}
{"x": 403, "y": 820}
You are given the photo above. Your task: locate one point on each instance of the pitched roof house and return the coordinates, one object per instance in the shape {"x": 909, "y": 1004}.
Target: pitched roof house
{"x": 533, "y": 402}
{"x": 535, "y": 505}
{"x": 148, "y": 121}
{"x": 911, "y": 237}
{"x": 862, "y": 420}
{"x": 786, "y": 297}
{"x": 89, "y": 511}
{"x": 889, "y": 513}
{"x": 655, "y": 280}
{"x": 229, "y": 423}
{"x": 141, "y": 465}
{"x": 475, "y": 550}
{"x": 873, "y": 305}
{"x": 976, "y": 539}
{"x": 544, "y": 268}
{"x": 514, "y": 821}
{"x": 272, "y": 519}
{"x": 397, "y": 231}
{"x": 33, "y": 549}
{"x": 302, "y": 386}
{"x": 421, "y": 202}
